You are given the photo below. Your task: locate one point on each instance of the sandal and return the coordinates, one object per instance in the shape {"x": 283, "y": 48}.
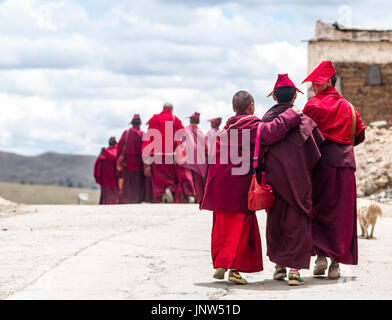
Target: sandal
{"x": 321, "y": 266}
{"x": 333, "y": 271}
{"x": 295, "y": 279}
{"x": 219, "y": 273}
{"x": 234, "y": 276}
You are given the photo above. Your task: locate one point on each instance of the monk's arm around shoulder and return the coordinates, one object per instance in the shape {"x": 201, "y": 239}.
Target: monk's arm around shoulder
{"x": 277, "y": 129}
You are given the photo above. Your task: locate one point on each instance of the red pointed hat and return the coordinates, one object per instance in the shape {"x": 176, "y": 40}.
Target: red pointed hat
{"x": 284, "y": 81}
{"x": 196, "y": 115}
{"x": 216, "y": 120}
{"x": 322, "y": 73}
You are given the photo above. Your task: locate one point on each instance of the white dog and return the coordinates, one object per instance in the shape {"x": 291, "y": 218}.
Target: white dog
{"x": 368, "y": 211}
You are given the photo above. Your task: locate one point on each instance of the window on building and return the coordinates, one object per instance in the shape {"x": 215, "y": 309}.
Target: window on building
{"x": 373, "y": 76}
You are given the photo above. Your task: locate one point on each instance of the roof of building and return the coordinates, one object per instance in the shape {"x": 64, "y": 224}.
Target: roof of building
{"x": 336, "y": 32}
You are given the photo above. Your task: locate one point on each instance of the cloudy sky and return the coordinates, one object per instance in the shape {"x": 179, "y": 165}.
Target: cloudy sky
{"x": 73, "y": 72}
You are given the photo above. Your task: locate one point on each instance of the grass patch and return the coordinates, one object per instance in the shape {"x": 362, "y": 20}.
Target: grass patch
{"x": 41, "y": 194}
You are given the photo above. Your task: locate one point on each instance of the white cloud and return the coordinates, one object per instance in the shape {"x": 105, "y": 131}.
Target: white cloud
{"x": 73, "y": 73}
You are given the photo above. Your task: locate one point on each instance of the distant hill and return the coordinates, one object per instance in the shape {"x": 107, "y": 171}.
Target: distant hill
{"x": 39, "y": 194}
{"x": 48, "y": 169}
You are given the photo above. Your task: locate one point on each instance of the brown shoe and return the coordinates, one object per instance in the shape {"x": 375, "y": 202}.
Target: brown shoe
{"x": 334, "y": 271}
{"x": 320, "y": 267}
{"x": 219, "y": 273}
{"x": 234, "y": 276}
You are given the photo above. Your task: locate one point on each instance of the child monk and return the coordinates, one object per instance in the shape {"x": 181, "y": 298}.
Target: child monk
{"x": 235, "y": 240}
{"x": 288, "y": 167}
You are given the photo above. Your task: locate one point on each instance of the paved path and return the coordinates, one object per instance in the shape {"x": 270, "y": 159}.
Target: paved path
{"x": 155, "y": 252}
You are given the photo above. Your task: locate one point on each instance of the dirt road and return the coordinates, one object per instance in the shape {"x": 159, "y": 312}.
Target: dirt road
{"x": 155, "y": 252}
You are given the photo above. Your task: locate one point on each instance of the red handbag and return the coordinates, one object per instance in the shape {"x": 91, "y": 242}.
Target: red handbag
{"x": 260, "y": 196}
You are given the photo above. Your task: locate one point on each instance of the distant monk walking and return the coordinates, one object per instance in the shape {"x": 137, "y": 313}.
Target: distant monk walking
{"x": 288, "y": 166}
{"x": 196, "y": 165}
{"x": 105, "y": 173}
{"x": 129, "y": 161}
{"x": 212, "y": 133}
{"x": 334, "y": 226}
{"x": 167, "y": 177}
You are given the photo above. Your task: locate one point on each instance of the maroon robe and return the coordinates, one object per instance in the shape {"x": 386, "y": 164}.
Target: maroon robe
{"x": 105, "y": 174}
{"x": 168, "y": 175}
{"x": 132, "y": 173}
{"x": 235, "y": 241}
{"x": 334, "y": 224}
{"x": 196, "y": 166}
{"x": 288, "y": 165}
{"x": 148, "y": 192}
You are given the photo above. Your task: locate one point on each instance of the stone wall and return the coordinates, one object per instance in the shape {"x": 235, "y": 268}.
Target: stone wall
{"x": 349, "y": 51}
{"x": 373, "y": 102}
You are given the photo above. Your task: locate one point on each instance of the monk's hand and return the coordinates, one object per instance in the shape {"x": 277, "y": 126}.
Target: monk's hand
{"x": 147, "y": 170}
{"x": 296, "y": 109}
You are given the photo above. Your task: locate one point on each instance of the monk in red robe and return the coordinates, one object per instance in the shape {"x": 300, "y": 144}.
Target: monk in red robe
{"x": 106, "y": 175}
{"x": 235, "y": 240}
{"x": 195, "y": 162}
{"x": 288, "y": 166}
{"x": 168, "y": 178}
{"x": 212, "y": 134}
{"x": 334, "y": 226}
{"x": 129, "y": 161}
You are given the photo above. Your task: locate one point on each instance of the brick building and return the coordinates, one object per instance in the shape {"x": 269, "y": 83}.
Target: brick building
{"x": 363, "y": 60}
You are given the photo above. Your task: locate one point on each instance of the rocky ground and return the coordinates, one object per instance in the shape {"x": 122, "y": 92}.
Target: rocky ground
{"x": 156, "y": 251}
{"x": 374, "y": 165}
{"x": 8, "y": 208}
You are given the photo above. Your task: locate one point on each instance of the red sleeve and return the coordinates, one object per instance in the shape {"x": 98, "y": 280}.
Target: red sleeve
{"x": 109, "y": 155}
{"x": 151, "y": 125}
{"x": 120, "y": 144}
{"x": 272, "y": 132}
{"x": 312, "y": 112}
{"x": 360, "y": 125}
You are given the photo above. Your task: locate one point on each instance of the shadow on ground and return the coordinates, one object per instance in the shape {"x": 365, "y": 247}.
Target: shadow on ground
{"x": 276, "y": 285}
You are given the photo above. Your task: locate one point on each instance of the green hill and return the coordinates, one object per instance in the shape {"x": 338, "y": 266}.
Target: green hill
{"x": 48, "y": 169}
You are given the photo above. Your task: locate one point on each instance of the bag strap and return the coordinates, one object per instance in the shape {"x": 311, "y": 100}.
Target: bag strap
{"x": 257, "y": 147}
{"x": 353, "y": 124}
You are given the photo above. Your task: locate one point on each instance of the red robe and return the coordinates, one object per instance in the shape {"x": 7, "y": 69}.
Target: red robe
{"x": 133, "y": 185}
{"x": 167, "y": 174}
{"x": 289, "y": 164}
{"x": 334, "y": 224}
{"x": 235, "y": 241}
{"x": 105, "y": 174}
{"x": 196, "y": 166}
{"x": 210, "y": 140}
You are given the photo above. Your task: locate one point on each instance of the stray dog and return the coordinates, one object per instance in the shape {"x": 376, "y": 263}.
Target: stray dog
{"x": 368, "y": 211}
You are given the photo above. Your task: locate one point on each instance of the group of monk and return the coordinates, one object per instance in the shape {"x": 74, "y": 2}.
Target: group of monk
{"x": 306, "y": 156}
{"x": 308, "y": 160}
{"x": 126, "y": 177}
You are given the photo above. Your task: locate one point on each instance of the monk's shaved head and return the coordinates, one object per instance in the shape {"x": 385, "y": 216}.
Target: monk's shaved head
{"x": 242, "y": 100}
{"x": 168, "y": 106}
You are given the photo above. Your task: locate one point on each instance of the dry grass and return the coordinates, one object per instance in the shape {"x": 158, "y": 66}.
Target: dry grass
{"x": 40, "y": 194}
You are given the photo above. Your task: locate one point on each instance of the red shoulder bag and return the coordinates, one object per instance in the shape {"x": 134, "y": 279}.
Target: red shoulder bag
{"x": 260, "y": 196}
